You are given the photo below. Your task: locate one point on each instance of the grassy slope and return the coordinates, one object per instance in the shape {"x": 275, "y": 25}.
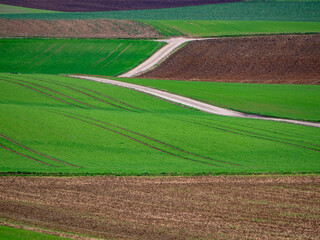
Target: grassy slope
{"x": 9, "y": 233}
{"x": 287, "y": 101}
{"x": 229, "y": 28}
{"x": 138, "y": 135}
{"x": 8, "y": 9}
{"x": 245, "y": 11}
{"x": 109, "y": 57}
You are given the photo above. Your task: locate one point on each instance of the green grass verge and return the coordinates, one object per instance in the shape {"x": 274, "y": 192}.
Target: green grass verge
{"x": 231, "y": 28}
{"x": 8, "y": 9}
{"x": 10, "y": 233}
{"x": 245, "y": 11}
{"x": 54, "y": 56}
{"x": 53, "y": 124}
{"x": 277, "y": 100}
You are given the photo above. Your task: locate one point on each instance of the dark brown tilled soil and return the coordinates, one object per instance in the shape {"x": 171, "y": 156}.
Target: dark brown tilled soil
{"x": 107, "y": 5}
{"x": 275, "y": 207}
{"x": 291, "y": 59}
{"x": 90, "y": 28}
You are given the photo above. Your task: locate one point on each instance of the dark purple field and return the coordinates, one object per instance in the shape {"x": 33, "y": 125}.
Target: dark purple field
{"x": 107, "y": 5}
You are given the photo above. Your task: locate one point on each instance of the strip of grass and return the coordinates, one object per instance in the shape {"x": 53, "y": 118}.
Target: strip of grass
{"x": 231, "y": 28}
{"x": 109, "y": 57}
{"x": 83, "y": 127}
{"x": 10, "y": 233}
{"x": 278, "y": 100}
{"x": 245, "y": 11}
{"x": 8, "y": 9}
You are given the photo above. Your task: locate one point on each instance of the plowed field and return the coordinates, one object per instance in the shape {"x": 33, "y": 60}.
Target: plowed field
{"x": 110, "y": 5}
{"x": 269, "y": 59}
{"x": 77, "y": 28}
{"x": 167, "y": 208}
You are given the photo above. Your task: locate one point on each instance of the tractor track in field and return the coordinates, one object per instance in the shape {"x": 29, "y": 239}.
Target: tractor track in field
{"x": 79, "y": 91}
{"x": 41, "y": 92}
{"x": 253, "y": 135}
{"x": 37, "y": 153}
{"x": 194, "y": 103}
{"x": 26, "y": 156}
{"x": 100, "y": 94}
{"x": 160, "y": 142}
{"x": 134, "y": 139}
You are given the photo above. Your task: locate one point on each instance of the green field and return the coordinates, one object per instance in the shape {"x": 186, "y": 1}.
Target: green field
{"x": 8, "y": 9}
{"x": 244, "y": 11}
{"x": 53, "y": 124}
{"x": 277, "y": 100}
{"x": 9, "y": 233}
{"x": 87, "y": 56}
{"x": 231, "y": 28}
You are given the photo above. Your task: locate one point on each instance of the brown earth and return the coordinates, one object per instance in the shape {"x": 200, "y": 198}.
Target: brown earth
{"x": 107, "y": 5}
{"x": 274, "y": 207}
{"x": 293, "y": 59}
{"x": 77, "y": 28}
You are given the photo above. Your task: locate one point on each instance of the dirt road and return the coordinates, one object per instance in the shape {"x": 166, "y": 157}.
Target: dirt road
{"x": 193, "y": 103}
{"x": 160, "y": 55}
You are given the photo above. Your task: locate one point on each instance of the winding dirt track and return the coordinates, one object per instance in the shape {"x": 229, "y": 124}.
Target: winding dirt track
{"x": 160, "y": 55}
{"x": 193, "y": 103}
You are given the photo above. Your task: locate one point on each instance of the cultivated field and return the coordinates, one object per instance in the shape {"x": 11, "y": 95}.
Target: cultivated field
{"x": 78, "y": 126}
{"x": 277, "y": 100}
{"x": 87, "y": 56}
{"x": 110, "y": 5}
{"x": 238, "y": 11}
{"x": 8, "y": 9}
{"x": 231, "y": 28}
{"x": 268, "y": 59}
{"x": 89, "y": 28}
{"x": 167, "y": 208}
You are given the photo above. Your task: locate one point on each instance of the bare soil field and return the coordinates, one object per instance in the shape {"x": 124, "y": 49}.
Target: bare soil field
{"x": 264, "y": 207}
{"x": 110, "y": 5}
{"x": 293, "y": 59}
{"x": 77, "y": 28}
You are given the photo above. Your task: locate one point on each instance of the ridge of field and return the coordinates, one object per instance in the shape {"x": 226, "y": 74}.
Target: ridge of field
{"x": 8, "y": 9}
{"x": 87, "y": 56}
{"x": 299, "y": 102}
{"x": 10, "y": 233}
{"x": 286, "y": 59}
{"x": 54, "y": 124}
{"x": 230, "y": 28}
{"x": 87, "y": 28}
{"x": 245, "y": 11}
{"x": 110, "y": 5}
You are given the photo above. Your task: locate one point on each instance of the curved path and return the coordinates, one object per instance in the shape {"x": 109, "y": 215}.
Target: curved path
{"x": 160, "y": 55}
{"x": 193, "y": 103}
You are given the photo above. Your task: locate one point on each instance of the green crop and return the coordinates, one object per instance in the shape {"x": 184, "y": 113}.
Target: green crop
{"x": 245, "y": 11}
{"x": 54, "y": 124}
{"x": 8, "y": 9}
{"x": 231, "y": 28}
{"x": 277, "y": 100}
{"x": 86, "y": 56}
{"x": 10, "y": 233}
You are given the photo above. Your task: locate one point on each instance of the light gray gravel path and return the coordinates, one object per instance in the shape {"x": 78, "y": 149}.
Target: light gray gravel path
{"x": 161, "y": 54}
{"x": 193, "y": 103}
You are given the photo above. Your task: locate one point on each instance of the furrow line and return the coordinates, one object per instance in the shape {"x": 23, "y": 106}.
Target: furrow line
{"x": 61, "y": 94}
{"x": 134, "y": 139}
{"x": 116, "y": 56}
{"x": 44, "y": 93}
{"x": 158, "y": 141}
{"x": 40, "y": 154}
{"x": 104, "y": 58}
{"x": 76, "y": 90}
{"x": 10, "y": 150}
{"x": 257, "y": 134}
{"x": 254, "y": 136}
